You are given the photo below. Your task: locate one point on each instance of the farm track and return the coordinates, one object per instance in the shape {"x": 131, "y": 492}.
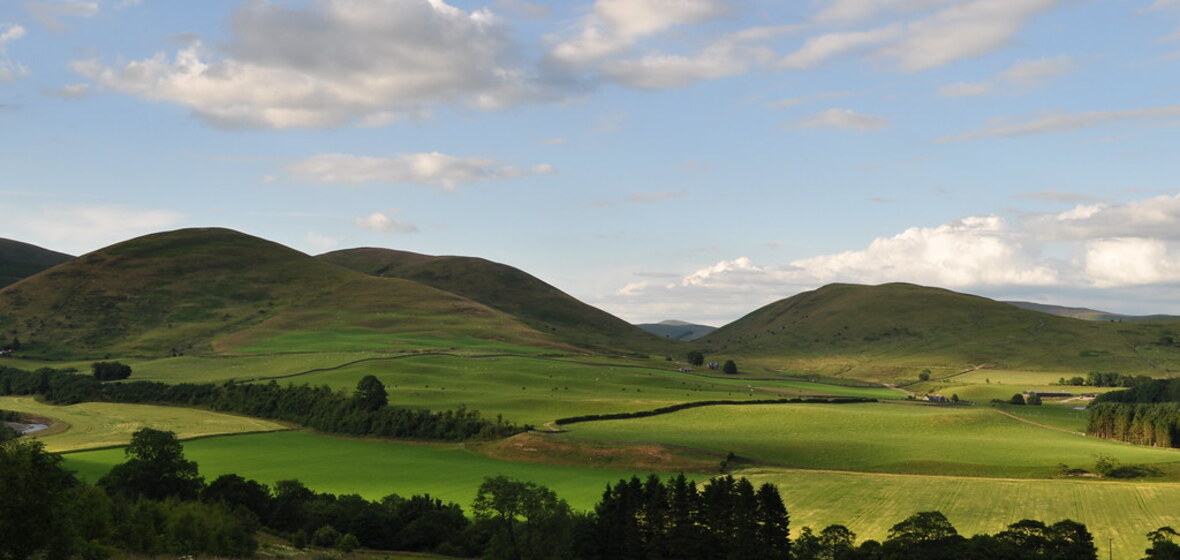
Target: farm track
{"x": 1037, "y": 424}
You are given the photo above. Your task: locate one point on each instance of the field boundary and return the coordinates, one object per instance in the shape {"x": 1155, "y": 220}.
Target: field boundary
{"x": 699, "y": 404}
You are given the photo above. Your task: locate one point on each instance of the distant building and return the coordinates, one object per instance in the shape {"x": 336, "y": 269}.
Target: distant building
{"x": 936, "y": 398}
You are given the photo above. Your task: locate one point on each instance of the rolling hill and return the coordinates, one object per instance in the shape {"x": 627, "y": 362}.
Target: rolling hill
{"x": 893, "y": 330}
{"x": 212, "y": 290}
{"x": 20, "y": 260}
{"x": 677, "y": 330}
{"x": 1089, "y": 314}
{"x": 510, "y": 290}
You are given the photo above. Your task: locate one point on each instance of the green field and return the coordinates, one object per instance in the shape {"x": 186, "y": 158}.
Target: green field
{"x": 877, "y": 437}
{"x": 868, "y": 503}
{"x": 537, "y": 390}
{"x": 94, "y": 424}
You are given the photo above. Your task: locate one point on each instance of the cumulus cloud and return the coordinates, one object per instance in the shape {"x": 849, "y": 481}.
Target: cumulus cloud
{"x": 844, "y": 119}
{"x": 382, "y": 223}
{"x": 9, "y": 69}
{"x": 431, "y": 169}
{"x": 333, "y": 63}
{"x": 1067, "y": 122}
{"x": 80, "y": 229}
{"x": 1128, "y": 246}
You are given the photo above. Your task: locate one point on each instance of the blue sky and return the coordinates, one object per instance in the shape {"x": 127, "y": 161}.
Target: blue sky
{"x": 688, "y": 159}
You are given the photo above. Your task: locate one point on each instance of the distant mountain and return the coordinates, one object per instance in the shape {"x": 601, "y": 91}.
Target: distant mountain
{"x": 1088, "y": 314}
{"x": 213, "y": 290}
{"x": 878, "y": 331}
{"x": 510, "y": 290}
{"x": 677, "y": 330}
{"x": 20, "y": 260}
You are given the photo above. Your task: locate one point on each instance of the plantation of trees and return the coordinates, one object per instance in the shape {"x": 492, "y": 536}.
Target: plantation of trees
{"x": 1146, "y": 414}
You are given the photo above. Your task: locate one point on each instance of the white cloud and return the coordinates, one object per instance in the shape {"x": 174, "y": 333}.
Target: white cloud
{"x": 1067, "y": 122}
{"x": 845, "y": 119}
{"x": 72, "y": 91}
{"x": 333, "y": 63}
{"x": 1032, "y": 72}
{"x": 966, "y": 89}
{"x": 383, "y": 223}
{"x": 80, "y": 229}
{"x": 673, "y": 71}
{"x": 818, "y": 50}
{"x": 616, "y": 25}
{"x": 430, "y": 169}
{"x": 965, "y": 30}
{"x": 1131, "y": 261}
{"x": 10, "y": 70}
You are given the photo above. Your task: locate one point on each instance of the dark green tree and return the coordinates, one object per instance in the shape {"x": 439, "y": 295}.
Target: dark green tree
{"x": 695, "y": 357}
{"x": 730, "y": 367}
{"x": 1163, "y": 544}
{"x": 370, "y": 393}
{"x": 155, "y": 469}
{"x": 34, "y": 499}
{"x": 110, "y": 371}
{"x": 529, "y": 521}
{"x": 1016, "y": 399}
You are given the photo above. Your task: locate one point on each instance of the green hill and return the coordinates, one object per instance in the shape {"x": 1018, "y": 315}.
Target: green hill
{"x": 677, "y": 330}
{"x": 210, "y": 290}
{"x": 892, "y": 330}
{"x": 20, "y": 260}
{"x": 512, "y": 291}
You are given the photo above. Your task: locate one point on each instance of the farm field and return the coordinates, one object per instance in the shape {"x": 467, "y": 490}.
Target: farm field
{"x": 538, "y": 390}
{"x": 94, "y": 425}
{"x": 882, "y": 437}
{"x": 983, "y": 385}
{"x": 868, "y": 503}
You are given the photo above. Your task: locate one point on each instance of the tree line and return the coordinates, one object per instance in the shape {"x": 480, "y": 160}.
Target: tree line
{"x": 365, "y": 413}
{"x": 1145, "y": 414}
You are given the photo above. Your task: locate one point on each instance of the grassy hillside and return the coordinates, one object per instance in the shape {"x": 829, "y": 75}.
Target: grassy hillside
{"x": 893, "y": 331}
{"x": 512, "y": 291}
{"x": 211, "y": 290}
{"x": 677, "y": 330}
{"x": 20, "y": 260}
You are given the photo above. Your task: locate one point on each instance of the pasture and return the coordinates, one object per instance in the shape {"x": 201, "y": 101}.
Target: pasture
{"x": 94, "y": 425}
{"x": 868, "y": 503}
{"x": 881, "y": 437}
{"x": 529, "y": 390}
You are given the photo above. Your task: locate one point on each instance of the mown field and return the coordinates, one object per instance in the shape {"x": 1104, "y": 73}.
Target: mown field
{"x": 910, "y": 438}
{"x": 93, "y": 425}
{"x": 868, "y": 503}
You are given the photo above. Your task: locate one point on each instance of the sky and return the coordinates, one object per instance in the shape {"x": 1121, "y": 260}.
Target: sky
{"x": 659, "y": 159}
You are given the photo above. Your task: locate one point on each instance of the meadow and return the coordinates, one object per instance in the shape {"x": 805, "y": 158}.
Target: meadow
{"x": 868, "y": 503}
{"x": 883, "y": 437}
{"x": 533, "y": 390}
{"x": 94, "y": 425}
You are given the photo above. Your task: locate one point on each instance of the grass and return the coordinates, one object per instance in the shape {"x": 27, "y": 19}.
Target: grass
{"x": 877, "y": 437}
{"x": 535, "y": 390}
{"x": 372, "y": 469}
{"x": 868, "y": 503}
{"x": 95, "y": 425}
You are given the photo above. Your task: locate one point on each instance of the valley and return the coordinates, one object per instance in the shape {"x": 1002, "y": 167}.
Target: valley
{"x": 185, "y": 308}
